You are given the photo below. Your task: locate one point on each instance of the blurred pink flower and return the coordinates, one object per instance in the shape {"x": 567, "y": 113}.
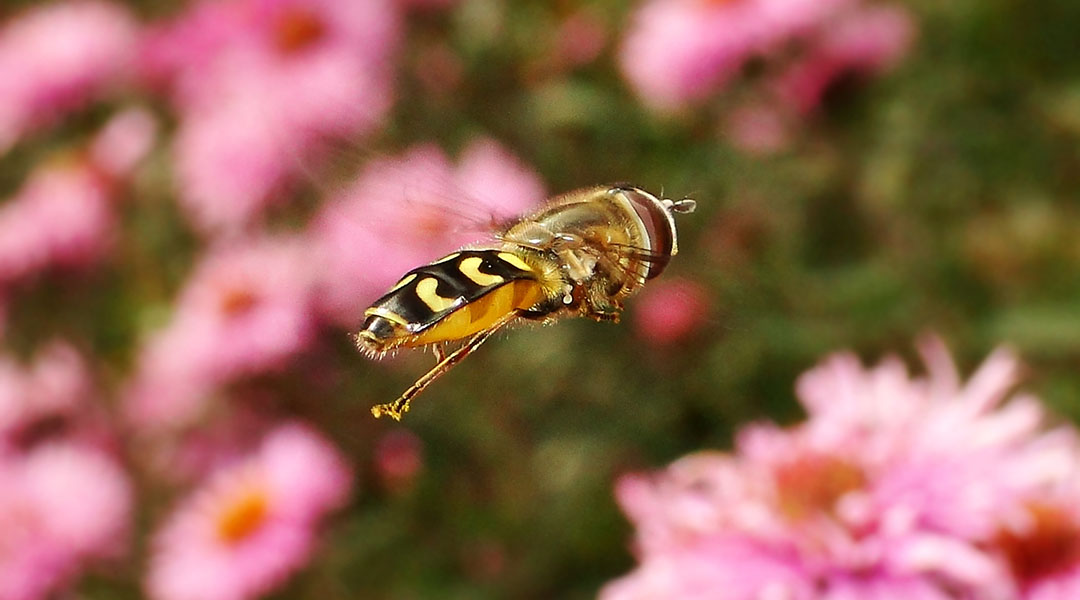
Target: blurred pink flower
{"x": 61, "y": 506}
{"x": 61, "y": 217}
{"x": 861, "y": 43}
{"x": 56, "y": 58}
{"x": 670, "y": 310}
{"x": 399, "y": 458}
{"x": 246, "y": 309}
{"x": 678, "y": 52}
{"x": 57, "y": 385}
{"x": 579, "y": 39}
{"x": 403, "y": 212}
{"x": 126, "y": 139}
{"x": 894, "y": 487}
{"x": 758, "y": 129}
{"x": 258, "y": 84}
{"x": 252, "y": 524}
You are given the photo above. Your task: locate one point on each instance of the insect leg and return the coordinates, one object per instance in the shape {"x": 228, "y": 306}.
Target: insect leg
{"x": 399, "y": 407}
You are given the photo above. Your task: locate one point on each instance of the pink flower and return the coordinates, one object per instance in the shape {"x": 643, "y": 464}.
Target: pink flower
{"x": 678, "y": 52}
{"x": 58, "y": 57}
{"x": 580, "y": 38}
{"x": 252, "y": 524}
{"x": 862, "y": 43}
{"x": 125, "y": 140}
{"x": 758, "y": 129}
{"x": 62, "y": 506}
{"x": 56, "y": 386}
{"x": 61, "y": 217}
{"x": 894, "y": 487}
{"x": 259, "y": 83}
{"x": 245, "y": 310}
{"x": 670, "y": 310}
{"x": 399, "y": 458}
{"x": 404, "y": 212}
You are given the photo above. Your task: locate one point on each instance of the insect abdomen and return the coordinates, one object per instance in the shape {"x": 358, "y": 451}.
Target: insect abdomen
{"x": 451, "y": 298}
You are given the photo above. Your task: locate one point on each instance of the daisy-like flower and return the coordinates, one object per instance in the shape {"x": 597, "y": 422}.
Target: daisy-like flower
{"x": 246, "y": 309}
{"x": 403, "y": 212}
{"x": 894, "y": 487}
{"x": 257, "y": 83}
{"x": 252, "y": 524}
{"x": 63, "y": 506}
{"x": 61, "y": 217}
{"x": 58, "y": 57}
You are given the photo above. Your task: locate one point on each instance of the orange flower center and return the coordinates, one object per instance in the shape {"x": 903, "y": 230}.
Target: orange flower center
{"x": 813, "y": 484}
{"x": 298, "y": 29}
{"x": 243, "y": 517}
{"x": 1050, "y": 545}
{"x": 237, "y": 301}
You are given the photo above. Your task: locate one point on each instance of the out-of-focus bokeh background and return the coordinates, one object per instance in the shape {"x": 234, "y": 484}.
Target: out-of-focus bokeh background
{"x": 199, "y": 199}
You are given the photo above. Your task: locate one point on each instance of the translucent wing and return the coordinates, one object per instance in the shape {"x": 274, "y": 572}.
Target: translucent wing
{"x": 403, "y": 211}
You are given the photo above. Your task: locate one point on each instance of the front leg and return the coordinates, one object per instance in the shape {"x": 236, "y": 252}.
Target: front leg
{"x": 602, "y": 308}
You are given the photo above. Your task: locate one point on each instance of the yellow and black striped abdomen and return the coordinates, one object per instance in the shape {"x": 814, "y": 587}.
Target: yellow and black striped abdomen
{"x": 450, "y": 299}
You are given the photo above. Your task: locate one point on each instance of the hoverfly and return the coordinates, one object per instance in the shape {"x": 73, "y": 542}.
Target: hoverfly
{"x": 580, "y": 254}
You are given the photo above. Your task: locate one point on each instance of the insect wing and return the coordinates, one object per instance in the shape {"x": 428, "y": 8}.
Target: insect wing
{"x": 402, "y": 212}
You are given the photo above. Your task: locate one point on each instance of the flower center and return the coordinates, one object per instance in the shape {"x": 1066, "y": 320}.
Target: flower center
{"x": 1049, "y": 546}
{"x": 237, "y": 301}
{"x": 813, "y": 484}
{"x": 243, "y": 517}
{"x": 298, "y": 29}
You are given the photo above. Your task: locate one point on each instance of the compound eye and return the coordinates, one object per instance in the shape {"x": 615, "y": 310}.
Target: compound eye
{"x": 659, "y": 227}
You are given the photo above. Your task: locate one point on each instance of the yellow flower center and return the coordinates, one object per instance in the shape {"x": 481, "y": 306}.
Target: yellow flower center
{"x": 243, "y": 516}
{"x": 813, "y": 484}
{"x": 237, "y": 301}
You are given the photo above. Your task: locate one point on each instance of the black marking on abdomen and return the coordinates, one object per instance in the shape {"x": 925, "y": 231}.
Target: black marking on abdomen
{"x": 406, "y": 303}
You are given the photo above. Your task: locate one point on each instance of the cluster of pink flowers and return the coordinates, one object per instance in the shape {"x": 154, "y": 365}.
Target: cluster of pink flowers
{"x": 58, "y": 58}
{"x": 894, "y": 487}
{"x": 246, "y": 309}
{"x": 679, "y": 53}
{"x": 258, "y": 84}
{"x": 65, "y": 501}
{"x": 63, "y": 216}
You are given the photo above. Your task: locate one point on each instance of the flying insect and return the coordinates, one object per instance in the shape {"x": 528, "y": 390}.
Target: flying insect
{"x": 579, "y": 254}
